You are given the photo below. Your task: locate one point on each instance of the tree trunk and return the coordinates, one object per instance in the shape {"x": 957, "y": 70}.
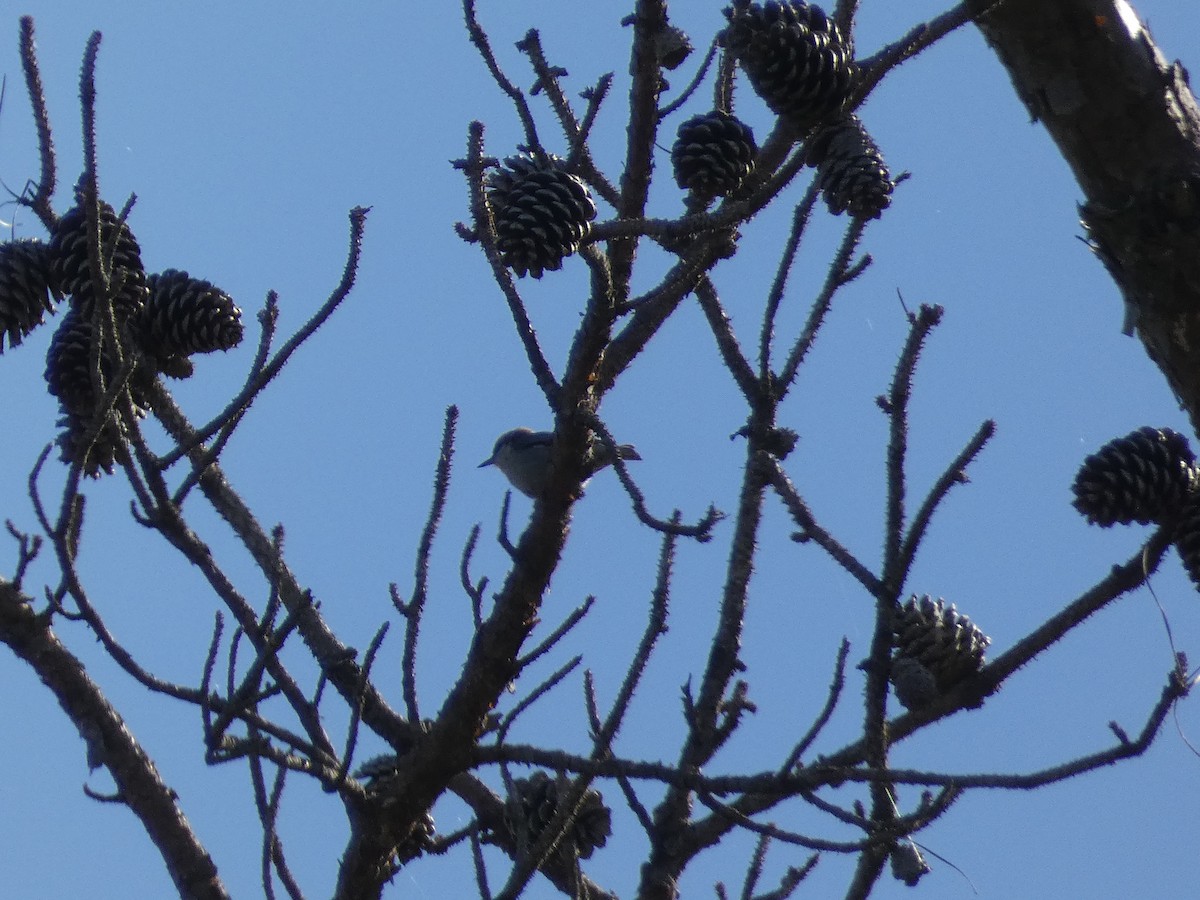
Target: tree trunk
{"x": 1127, "y": 123}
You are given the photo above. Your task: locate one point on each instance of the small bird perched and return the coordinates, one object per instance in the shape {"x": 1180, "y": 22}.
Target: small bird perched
{"x": 524, "y": 458}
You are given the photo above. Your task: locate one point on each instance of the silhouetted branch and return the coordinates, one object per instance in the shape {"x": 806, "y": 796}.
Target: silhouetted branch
{"x": 926, "y": 318}
{"x": 831, "y": 701}
{"x": 227, "y": 419}
{"x": 574, "y": 618}
{"x": 358, "y": 220}
{"x": 840, "y": 273}
{"x": 579, "y": 158}
{"x": 480, "y": 39}
{"x": 40, "y": 201}
{"x": 413, "y": 610}
{"x": 956, "y": 473}
{"x": 357, "y": 707}
{"x": 31, "y": 638}
{"x": 800, "y": 217}
{"x": 28, "y": 547}
{"x": 475, "y": 590}
{"x": 692, "y": 85}
{"x": 873, "y": 69}
{"x": 775, "y": 833}
{"x": 473, "y": 168}
{"x": 722, "y": 329}
{"x": 810, "y": 530}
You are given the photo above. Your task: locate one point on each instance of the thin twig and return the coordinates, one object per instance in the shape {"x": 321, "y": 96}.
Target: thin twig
{"x": 415, "y": 607}
{"x": 800, "y": 217}
{"x": 480, "y": 39}
{"x": 579, "y": 157}
{"x": 779, "y": 834}
{"x": 810, "y": 530}
{"x": 473, "y": 168}
{"x": 356, "y": 708}
{"x": 955, "y": 474}
{"x": 358, "y": 219}
{"x": 840, "y": 272}
{"x": 924, "y": 321}
{"x": 575, "y": 617}
{"x": 40, "y": 201}
{"x": 475, "y": 590}
{"x": 692, "y": 85}
{"x": 225, "y": 420}
{"x": 831, "y": 701}
{"x": 874, "y": 68}
{"x": 722, "y": 329}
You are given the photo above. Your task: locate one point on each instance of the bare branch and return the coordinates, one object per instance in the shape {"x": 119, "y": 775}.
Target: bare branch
{"x": 30, "y": 637}
{"x": 822, "y": 719}
{"x": 412, "y": 612}
{"x": 480, "y": 39}
{"x": 574, "y": 618}
{"x": 40, "y": 201}
{"x": 810, "y": 530}
{"x": 800, "y": 217}
{"x": 731, "y": 353}
{"x": 473, "y": 168}
{"x": 956, "y": 473}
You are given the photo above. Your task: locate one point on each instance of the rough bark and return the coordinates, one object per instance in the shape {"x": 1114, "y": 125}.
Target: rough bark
{"x": 1127, "y": 123}
{"x": 110, "y": 744}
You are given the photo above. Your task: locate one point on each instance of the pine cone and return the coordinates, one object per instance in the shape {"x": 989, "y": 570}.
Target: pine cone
{"x": 101, "y": 456}
{"x": 793, "y": 54}
{"x": 68, "y": 371}
{"x": 1187, "y": 537}
{"x": 68, "y": 366}
{"x": 850, "y": 169}
{"x": 938, "y": 637}
{"x": 24, "y": 288}
{"x": 908, "y": 863}
{"x": 713, "y": 154}
{"x": 914, "y": 684}
{"x": 542, "y": 213}
{"x": 71, "y": 272}
{"x": 186, "y": 315}
{"x": 1143, "y": 477}
{"x": 375, "y": 772}
{"x": 534, "y": 803}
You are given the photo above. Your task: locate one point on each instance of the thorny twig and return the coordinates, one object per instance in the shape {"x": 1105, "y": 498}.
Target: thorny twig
{"x": 831, "y": 701}
{"x": 693, "y": 85}
{"x": 579, "y": 157}
{"x": 574, "y": 618}
{"x": 480, "y": 39}
{"x": 800, "y": 217}
{"x": 201, "y": 461}
{"x": 474, "y": 590}
{"x": 841, "y": 272}
{"x": 473, "y": 167}
{"x": 227, "y": 419}
{"x": 40, "y": 201}
{"x": 811, "y": 530}
{"x": 956, "y": 473}
{"x": 415, "y": 607}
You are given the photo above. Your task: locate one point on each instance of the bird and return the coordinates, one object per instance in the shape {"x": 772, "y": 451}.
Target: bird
{"x": 523, "y": 455}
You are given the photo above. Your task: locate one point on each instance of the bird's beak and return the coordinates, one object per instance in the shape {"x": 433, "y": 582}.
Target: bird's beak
{"x": 491, "y": 460}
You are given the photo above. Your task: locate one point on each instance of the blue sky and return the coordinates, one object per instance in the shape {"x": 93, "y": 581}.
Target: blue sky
{"x": 248, "y": 131}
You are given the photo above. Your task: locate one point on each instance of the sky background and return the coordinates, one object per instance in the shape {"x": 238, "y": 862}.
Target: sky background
{"x": 248, "y": 132}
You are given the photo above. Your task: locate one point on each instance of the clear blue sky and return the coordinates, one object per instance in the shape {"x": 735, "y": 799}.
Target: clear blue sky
{"x": 248, "y": 131}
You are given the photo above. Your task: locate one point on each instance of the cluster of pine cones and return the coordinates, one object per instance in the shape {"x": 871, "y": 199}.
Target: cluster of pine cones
{"x": 1149, "y": 475}
{"x": 161, "y": 320}
{"x": 796, "y": 59}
